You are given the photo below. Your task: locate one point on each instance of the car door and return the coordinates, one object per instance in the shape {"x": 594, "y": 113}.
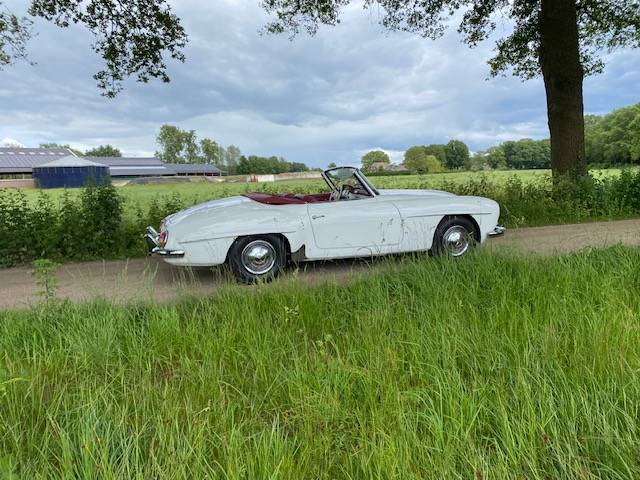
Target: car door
{"x": 361, "y": 227}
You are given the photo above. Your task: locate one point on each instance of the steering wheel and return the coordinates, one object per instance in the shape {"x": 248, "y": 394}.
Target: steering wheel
{"x": 342, "y": 193}
{"x": 347, "y": 191}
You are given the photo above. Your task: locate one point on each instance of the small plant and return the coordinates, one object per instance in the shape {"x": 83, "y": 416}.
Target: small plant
{"x": 45, "y": 272}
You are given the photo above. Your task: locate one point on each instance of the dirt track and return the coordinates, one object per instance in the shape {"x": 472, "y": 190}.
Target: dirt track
{"x": 150, "y": 278}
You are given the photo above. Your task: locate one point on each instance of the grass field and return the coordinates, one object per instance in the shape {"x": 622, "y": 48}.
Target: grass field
{"x": 490, "y": 367}
{"x": 190, "y": 193}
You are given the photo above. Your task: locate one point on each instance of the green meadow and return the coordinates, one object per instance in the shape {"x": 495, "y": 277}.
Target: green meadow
{"x": 495, "y": 366}
{"x": 142, "y": 195}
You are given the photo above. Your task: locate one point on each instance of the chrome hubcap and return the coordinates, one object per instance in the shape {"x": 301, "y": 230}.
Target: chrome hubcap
{"x": 258, "y": 257}
{"x": 456, "y": 241}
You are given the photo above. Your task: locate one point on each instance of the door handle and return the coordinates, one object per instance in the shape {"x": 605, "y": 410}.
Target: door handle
{"x": 315, "y": 217}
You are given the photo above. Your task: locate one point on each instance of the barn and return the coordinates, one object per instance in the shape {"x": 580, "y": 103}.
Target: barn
{"x": 70, "y": 172}
{"x": 19, "y": 164}
{"x": 194, "y": 170}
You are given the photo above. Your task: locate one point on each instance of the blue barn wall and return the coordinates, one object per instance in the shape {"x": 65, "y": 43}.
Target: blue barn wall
{"x": 70, "y": 177}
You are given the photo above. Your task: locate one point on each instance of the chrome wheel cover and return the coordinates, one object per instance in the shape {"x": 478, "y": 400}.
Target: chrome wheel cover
{"x": 258, "y": 257}
{"x": 456, "y": 241}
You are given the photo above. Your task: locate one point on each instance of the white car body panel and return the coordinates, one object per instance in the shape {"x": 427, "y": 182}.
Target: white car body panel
{"x": 392, "y": 221}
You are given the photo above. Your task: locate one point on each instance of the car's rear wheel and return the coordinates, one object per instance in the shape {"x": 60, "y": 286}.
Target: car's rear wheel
{"x": 260, "y": 257}
{"x": 454, "y": 237}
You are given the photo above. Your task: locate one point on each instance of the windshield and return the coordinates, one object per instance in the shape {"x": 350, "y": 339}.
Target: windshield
{"x": 336, "y": 178}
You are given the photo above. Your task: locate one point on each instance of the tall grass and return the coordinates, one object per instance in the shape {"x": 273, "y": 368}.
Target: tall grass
{"x": 490, "y": 367}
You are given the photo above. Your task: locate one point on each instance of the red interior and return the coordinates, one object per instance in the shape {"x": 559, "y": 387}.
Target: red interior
{"x": 287, "y": 198}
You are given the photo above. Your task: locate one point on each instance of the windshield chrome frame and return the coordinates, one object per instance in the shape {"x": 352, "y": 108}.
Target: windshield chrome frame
{"x": 357, "y": 174}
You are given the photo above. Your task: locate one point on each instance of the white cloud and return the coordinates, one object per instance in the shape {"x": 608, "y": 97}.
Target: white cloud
{"x": 10, "y": 142}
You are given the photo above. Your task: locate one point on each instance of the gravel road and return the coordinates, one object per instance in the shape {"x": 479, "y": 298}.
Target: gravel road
{"x": 150, "y": 278}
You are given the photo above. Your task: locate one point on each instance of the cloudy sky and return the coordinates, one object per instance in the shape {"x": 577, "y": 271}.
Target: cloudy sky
{"x": 315, "y": 99}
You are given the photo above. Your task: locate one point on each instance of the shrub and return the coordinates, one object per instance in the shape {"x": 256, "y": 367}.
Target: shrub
{"x": 101, "y": 219}
{"x": 15, "y": 228}
{"x": 70, "y": 239}
{"x": 84, "y": 228}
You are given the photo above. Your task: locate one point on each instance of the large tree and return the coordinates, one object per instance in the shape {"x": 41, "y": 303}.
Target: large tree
{"x": 374, "y": 156}
{"x": 212, "y": 152}
{"x": 103, "y": 151}
{"x": 438, "y": 151}
{"x": 177, "y": 145}
{"x": 560, "y": 39}
{"x": 231, "y": 158}
{"x": 417, "y": 160}
{"x": 456, "y": 154}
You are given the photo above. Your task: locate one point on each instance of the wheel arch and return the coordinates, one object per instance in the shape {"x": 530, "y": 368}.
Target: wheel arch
{"x": 282, "y": 236}
{"x": 474, "y": 222}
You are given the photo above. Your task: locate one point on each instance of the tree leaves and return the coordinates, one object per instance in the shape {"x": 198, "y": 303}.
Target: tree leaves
{"x": 603, "y": 25}
{"x": 133, "y": 37}
{"x": 15, "y": 32}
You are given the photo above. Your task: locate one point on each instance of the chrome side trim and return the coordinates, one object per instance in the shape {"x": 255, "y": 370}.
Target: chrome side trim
{"x": 496, "y": 232}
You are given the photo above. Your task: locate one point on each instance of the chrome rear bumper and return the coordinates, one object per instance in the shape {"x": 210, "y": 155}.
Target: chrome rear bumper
{"x": 496, "y": 232}
{"x": 151, "y": 236}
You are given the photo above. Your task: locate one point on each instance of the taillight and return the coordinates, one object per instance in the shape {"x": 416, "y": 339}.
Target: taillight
{"x": 162, "y": 238}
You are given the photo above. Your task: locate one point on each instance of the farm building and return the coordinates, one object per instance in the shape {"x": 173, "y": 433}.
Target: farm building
{"x": 193, "y": 169}
{"x": 130, "y": 167}
{"x": 20, "y": 162}
{"x": 69, "y": 172}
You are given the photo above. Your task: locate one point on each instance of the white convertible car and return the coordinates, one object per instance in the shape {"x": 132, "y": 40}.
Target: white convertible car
{"x": 257, "y": 234}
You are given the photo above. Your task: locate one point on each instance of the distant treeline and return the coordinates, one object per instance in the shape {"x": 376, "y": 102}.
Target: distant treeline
{"x": 262, "y": 165}
{"x": 184, "y": 146}
{"x": 514, "y": 155}
{"x": 614, "y": 139}
{"x": 611, "y": 140}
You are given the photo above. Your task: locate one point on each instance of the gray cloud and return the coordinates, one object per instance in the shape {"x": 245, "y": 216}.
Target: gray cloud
{"x": 315, "y": 99}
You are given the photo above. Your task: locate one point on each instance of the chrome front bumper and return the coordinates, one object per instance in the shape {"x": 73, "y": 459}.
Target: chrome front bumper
{"x": 496, "y": 232}
{"x": 151, "y": 236}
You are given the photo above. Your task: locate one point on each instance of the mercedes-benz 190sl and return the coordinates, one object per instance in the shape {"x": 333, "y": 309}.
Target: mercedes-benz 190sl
{"x": 258, "y": 234}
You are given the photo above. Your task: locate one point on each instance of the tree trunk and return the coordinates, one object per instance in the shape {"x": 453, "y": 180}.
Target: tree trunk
{"x": 563, "y": 75}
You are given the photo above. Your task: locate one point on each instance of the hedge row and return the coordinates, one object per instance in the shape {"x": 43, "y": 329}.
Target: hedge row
{"x": 78, "y": 227}
{"x": 92, "y": 225}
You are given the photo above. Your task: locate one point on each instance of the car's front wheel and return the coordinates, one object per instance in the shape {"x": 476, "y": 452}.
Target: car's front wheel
{"x": 260, "y": 257}
{"x": 454, "y": 237}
